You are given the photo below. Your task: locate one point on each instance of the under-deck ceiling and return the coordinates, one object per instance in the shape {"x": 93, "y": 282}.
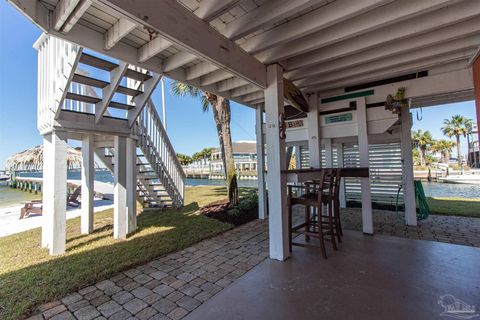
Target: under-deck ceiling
{"x": 322, "y": 45}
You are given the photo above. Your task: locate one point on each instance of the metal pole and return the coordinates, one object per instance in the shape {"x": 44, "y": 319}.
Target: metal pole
{"x": 163, "y": 105}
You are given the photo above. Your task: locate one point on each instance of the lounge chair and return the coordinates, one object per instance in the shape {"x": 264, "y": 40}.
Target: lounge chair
{"x": 36, "y": 206}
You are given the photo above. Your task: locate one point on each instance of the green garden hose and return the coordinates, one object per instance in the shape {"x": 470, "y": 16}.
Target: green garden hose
{"x": 422, "y": 206}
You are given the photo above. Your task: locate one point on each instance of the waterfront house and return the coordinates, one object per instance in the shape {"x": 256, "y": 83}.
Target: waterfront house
{"x": 244, "y": 156}
{"x": 351, "y": 72}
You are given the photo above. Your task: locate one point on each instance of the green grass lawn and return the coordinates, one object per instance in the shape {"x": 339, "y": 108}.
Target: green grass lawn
{"x": 462, "y": 207}
{"x": 29, "y": 276}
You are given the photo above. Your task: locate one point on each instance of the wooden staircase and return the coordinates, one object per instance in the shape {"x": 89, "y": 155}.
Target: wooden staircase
{"x": 118, "y": 104}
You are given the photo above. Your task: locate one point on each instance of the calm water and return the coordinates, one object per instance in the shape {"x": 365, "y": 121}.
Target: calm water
{"x": 10, "y": 197}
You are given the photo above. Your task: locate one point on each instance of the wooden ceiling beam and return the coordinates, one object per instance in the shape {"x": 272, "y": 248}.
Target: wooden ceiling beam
{"x": 319, "y": 19}
{"x": 178, "y": 25}
{"x": 119, "y": 30}
{"x": 266, "y": 14}
{"x": 444, "y": 49}
{"x": 388, "y": 49}
{"x": 398, "y": 32}
{"x": 375, "y": 19}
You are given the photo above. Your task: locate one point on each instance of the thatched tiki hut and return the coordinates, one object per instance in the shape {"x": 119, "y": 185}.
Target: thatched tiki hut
{"x": 32, "y": 159}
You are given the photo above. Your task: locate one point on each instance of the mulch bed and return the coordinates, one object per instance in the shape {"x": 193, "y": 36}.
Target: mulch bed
{"x": 219, "y": 210}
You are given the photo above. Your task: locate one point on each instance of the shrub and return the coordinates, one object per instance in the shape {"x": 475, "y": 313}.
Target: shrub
{"x": 245, "y": 205}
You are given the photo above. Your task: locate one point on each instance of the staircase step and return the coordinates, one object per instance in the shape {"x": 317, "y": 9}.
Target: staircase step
{"x": 93, "y": 100}
{"x": 146, "y": 171}
{"x": 121, "y": 106}
{"x": 79, "y": 78}
{"x": 99, "y": 63}
{"x": 82, "y": 98}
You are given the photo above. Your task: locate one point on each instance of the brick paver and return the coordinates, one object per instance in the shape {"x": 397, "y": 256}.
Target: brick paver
{"x": 174, "y": 285}
{"x": 169, "y": 287}
{"x": 456, "y": 230}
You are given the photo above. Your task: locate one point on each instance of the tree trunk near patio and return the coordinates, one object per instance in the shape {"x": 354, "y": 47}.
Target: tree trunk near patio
{"x": 218, "y": 124}
{"x": 422, "y": 157}
{"x": 223, "y": 108}
{"x": 459, "y": 152}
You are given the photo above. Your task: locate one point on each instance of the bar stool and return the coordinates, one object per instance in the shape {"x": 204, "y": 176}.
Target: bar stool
{"x": 331, "y": 199}
{"x": 316, "y": 194}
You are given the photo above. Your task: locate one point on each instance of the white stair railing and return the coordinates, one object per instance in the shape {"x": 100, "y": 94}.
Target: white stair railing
{"x": 156, "y": 146}
{"x": 57, "y": 60}
{"x": 57, "y": 64}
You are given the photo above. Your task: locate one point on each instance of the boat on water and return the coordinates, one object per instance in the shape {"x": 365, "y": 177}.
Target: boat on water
{"x": 4, "y": 176}
{"x": 462, "y": 179}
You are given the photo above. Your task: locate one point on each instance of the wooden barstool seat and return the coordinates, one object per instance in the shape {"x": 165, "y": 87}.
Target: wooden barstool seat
{"x": 320, "y": 223}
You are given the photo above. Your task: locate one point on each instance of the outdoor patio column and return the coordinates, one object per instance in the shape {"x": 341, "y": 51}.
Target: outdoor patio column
{"x": 328, "y": 152}
{"x": 314, "y": 144}
{"x": 367, "y": 218}
{"x": 407, "y": 168}
{"x": 88, "y": 171}
{"x": 476, "y": 86}
{"x": 276, "y": 161}
{"x": 54, "y": 192}
{"x": 262, "y": 194}
{"x": 298, "y": 158}
{"x": 342, "y": 198}
{"x": 120, "y": 189}
{"x": 131, "y": 168}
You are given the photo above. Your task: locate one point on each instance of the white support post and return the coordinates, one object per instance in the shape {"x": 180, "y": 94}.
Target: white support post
{"x": 314, "y": 146}
{"x": 262, "y": 194}
{"x": 298, "y": 156}
{"x": 131, "y": 164}
{"x": 120, "y": 189}
{"x": 367, "y": 218}
{"x": 407, "y": 161}
{"x": 343, "y": 201}
{"x": 54, "y": 192}
{"x": 276, "y": 161}
{"x": 328, "y": 152}
{"x": 88, "y": 171}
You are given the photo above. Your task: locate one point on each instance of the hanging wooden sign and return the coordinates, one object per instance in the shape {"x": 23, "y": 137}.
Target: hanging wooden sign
{"x": 295, "y": 96}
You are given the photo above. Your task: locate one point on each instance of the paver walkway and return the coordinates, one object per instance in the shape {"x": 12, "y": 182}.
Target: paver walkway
{"x": 174, "y": 285}
{"x": 169, "y": 287}
{"x": 449, "y": 229}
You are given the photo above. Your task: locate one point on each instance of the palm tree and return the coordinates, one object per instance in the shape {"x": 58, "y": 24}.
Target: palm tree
{"x": 205, "y": 153}
{"x": 422, "y": 141}
{"x": 444, "y": 147}
{"x": 456, "y": 127}
{"x": 184, "y": 159}
{"x": 222, "y": 115}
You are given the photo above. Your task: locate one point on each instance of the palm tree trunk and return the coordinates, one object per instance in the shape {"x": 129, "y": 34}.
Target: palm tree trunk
{"x": 468, "y": 150}
{"x": 420, "y": 152}
{"x": 459, "y": 152}
{"x": 218, "y": 124}
{"x": 423, "y": 152}
{"x": 223, "y": 109}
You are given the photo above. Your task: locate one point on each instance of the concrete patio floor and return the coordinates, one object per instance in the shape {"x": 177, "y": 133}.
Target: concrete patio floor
{"x": 379, "y": 277}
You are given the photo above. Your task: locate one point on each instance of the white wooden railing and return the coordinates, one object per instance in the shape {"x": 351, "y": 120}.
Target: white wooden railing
{"x": 57, "y": 60}
{"x": 57, "y": 63}
{"x": 156, "y": 146}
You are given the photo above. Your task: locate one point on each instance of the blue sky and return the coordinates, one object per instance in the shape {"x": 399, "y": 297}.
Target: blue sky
{"x": 188, "y": 127}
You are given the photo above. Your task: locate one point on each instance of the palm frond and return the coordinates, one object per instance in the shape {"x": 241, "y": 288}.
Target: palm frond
{"x": 205, "y": 104}
{"x": 182, "y": 89}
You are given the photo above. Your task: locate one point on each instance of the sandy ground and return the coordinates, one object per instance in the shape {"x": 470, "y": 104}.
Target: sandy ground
{"x": 11, "y": 224}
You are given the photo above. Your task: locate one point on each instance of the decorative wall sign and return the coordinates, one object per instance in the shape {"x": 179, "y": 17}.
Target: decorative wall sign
{"x": 294, "y": 124}
{"x": 339, "y": 118}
